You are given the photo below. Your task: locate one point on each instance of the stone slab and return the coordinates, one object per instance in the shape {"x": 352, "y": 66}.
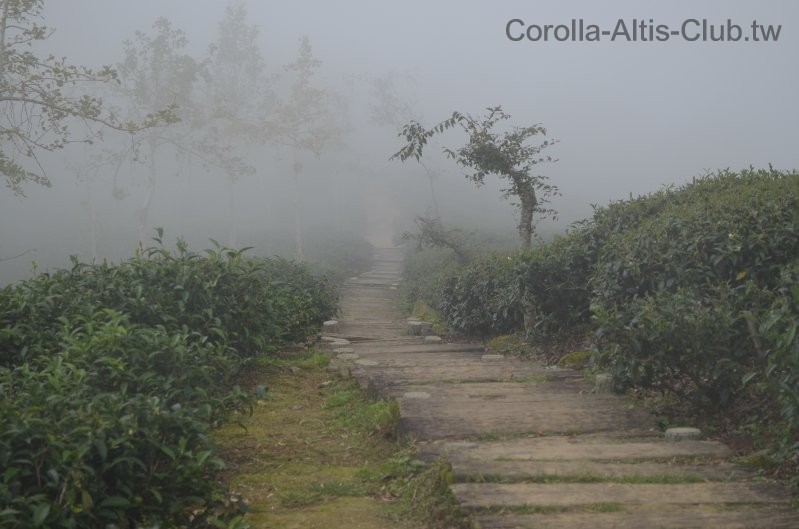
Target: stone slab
{"x": 672, "y": 517}
{"x": 468, "y": 410}
{"x": 597, "y": 447}
{"x": 490, "y": 495}
{"x": 470, "y": 469}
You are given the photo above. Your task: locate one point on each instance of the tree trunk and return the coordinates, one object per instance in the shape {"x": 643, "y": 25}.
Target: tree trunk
{"x": 92, "y": 221}
{"x": 144, "y": 210}
{"x": 297, "y": 168}
{"x": 231, "y": 234}
{"x": 430, "y": 177}
{"x": 3, "y": 46}
{"x": 527, "y": 205}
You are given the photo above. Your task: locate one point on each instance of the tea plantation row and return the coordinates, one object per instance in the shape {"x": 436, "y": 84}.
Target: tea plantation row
{"x": 692, "y": 291}
{"x": 112, "y": 376}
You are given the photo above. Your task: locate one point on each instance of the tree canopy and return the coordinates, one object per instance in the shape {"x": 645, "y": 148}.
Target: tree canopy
{"x": 42, "y": 99}
{"x": 508, "y": 155}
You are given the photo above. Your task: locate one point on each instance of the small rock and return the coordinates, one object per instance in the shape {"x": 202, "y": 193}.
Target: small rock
{"x": 432, "y": 339}
{"x": 296, "y": 407}
{"x": 416, "y": 395}
{"x": 683, "y": 434}
{"x": 344, "y": 350}
{"x": 414, "y": 327}
{"x": 492, "y": 358}
{"x": 294, "y": 370}
{"x": 330, "y": 326}
{"x": 459, "y": 445}
{"x": 325, "y": 383}
{"x": 364, "y": 362}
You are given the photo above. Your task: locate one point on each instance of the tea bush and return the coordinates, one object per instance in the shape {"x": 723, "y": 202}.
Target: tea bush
{"x": 779, "y": 331}
{"x": 423, "y": 272}
{"x": 111, "y": 377}
{"x": 482, "y": 297}
{"x": 689, "y": 290}
{"x": 712, "y": 256}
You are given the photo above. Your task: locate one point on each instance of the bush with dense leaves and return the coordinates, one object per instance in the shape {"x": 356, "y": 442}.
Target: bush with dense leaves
{"x": 690, "y": 290}
{"x": 715, "y": 254}
{"x": 483, "y": 297}
{"x": 112, "y": 376}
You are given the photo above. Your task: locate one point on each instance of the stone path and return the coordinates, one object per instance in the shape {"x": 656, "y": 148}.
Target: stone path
{"x": 532, "y": 446}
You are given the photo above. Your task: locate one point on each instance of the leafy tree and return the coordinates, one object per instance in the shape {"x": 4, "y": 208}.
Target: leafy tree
{"x": 507, "y": 155}
{"x": 304, "y": 122}
{"x": 237, "y": 99}
{"x": 391, "y": 110}
{"x": 38, "y": 104}
{"x": 157, "y": 70}
{"x": 432, "y": 234}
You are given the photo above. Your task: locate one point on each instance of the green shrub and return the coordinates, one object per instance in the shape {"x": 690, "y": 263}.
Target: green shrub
{"x": 725, "y": 228}
{"x": 671, "y": 294}
{"x": 111, "y": 377}
{"x": 110, "y": 428}
{"x": 483, "y": 297}
{"x": 555, "y": 280}
{"x": 422, "y": 274}
{"x": 779, "y": 330}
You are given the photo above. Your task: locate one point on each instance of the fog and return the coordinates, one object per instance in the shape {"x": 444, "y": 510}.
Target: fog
{"x": 629, "y": 117}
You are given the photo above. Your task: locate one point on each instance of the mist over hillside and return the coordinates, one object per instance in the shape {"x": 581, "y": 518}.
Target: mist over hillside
{"x": 287, "y": 115}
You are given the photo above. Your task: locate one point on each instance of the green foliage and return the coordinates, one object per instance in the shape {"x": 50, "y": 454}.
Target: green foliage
{"x": 691, "y": 291}
{"x": 508, "y": 155}
{"x": 433, "y": 234}
{"x": 779, "y": 331}
{"x": 693, "y": 270}
{"x": 112, "y": 376}
{"x": 488, "y": 296}
{"x": 483, "y": 297}
{"x": 697, "y": 297}
{"x": 422, "y": 274}
{"x": 554, "y": 280}
{"x": 38, "y": 100}
{"x": 722, "y": 229}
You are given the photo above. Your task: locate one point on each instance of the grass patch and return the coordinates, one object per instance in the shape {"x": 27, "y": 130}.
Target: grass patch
{"x": 425, "y": 312}
{"x": 512, "y": 345}
{"x": 318, "y": 452}
{"x": 305, "y": 360}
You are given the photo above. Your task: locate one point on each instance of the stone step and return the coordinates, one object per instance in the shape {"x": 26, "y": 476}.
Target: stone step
{"x": 580, "y": 448}
{"x": 485, "y": 496}
{"x": 421, "y": 352}
{"x": 470, "y": 410}
{"x": 671, "y": 517}
{"x": 473, "y": 470}
{"x": 409, "y": 369}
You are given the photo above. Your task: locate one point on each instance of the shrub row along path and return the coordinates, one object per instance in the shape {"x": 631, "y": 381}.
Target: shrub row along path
{"x": 534, "y": 446}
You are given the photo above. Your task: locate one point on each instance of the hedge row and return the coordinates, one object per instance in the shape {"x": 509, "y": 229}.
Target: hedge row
{"x": 690, "y": 290}
{"x": 112, "y": 376}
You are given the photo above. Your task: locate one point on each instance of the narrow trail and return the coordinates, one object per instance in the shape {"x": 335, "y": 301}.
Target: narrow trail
{"x": 532, "y": 446}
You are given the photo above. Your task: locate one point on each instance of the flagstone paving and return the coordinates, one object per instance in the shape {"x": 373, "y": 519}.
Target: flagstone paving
{"x": 534, "y": 446}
